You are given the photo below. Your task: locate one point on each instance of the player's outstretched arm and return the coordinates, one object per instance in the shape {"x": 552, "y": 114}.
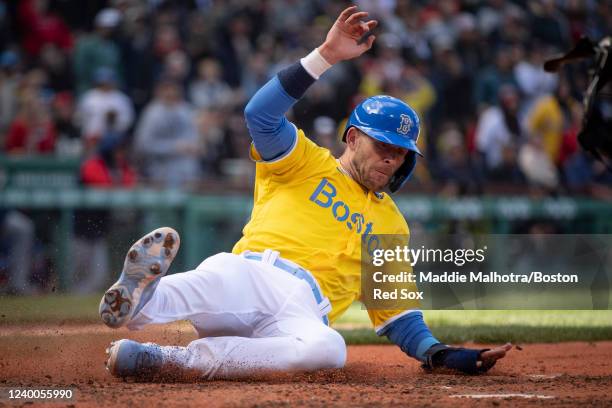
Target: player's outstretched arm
{"x": 273, "y": 135}
{"x": 415, "y": 339}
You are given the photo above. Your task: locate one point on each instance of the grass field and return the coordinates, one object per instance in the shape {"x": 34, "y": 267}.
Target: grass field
{"x": 453, "y": 326}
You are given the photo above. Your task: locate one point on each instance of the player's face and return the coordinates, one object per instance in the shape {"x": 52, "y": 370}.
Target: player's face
{"x": 375, "y": 162}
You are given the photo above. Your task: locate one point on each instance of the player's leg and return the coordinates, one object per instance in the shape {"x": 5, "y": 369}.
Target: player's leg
{"x": 226, "y": 295}
{"x": 218, "y": 293}
{"x": 257, "y": 318}
{"x": 297, "y": 344}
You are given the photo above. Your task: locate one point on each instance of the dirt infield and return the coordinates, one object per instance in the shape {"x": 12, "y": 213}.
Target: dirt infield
{"x": 565, "y": 374}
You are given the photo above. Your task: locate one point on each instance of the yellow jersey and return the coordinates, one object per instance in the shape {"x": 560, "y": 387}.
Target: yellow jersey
{"x": 546, "y": 121}
{"x": 313, "y": 213}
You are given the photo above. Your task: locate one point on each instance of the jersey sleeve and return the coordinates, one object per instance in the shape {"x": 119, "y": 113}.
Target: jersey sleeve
{"x": 301, "y": 158}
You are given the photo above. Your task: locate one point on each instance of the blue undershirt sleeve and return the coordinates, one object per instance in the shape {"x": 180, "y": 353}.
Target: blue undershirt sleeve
{"x": 273, "y": 135}
{"x": 411, "y": 334}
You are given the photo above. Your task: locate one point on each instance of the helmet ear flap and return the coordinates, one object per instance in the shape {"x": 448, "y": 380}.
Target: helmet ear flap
{"x": 402, "y": 174}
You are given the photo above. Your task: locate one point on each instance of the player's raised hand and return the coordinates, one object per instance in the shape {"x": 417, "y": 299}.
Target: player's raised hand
{"x": 343, "y": 39}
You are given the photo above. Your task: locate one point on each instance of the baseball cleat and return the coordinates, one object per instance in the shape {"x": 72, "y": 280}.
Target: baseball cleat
{"x": 130, "y": 359}
{"x": 145, "y": 263}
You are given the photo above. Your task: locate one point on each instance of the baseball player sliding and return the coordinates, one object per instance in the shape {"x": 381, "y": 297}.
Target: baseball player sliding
{"x": 266, "y": 307}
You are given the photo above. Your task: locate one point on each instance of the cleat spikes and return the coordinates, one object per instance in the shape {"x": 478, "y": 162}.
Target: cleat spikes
{"x": 169, "y": 241}
{"x": 146, "y": 262}
{"x": 133, "y": 254}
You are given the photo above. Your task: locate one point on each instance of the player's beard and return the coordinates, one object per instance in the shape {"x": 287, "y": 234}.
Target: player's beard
{"x": 369, "y": 176}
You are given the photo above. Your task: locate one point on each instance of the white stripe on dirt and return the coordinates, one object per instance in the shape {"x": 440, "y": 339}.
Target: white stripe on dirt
{"x": 502, "y": 396}
{"x": 543, "y": 376}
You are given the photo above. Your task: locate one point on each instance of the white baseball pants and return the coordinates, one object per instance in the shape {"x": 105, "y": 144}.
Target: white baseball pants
{"x": 251, "y": 316}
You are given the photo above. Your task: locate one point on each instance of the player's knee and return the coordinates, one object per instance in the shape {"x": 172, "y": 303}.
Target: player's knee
{"x": 325, "y": 351}
{"x": 336, "y": 350}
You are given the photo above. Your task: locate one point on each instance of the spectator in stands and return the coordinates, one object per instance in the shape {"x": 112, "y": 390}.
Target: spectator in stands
{"x": 166, "y": 140}
{"x": 108, "y": 168}
{"x": 548, "y": 118}
{"x": 460, "y": 176}
{"x": 97, "y": 50}
{"x": 69, "y": 142}
{"x": 491, "y": 78}
{"x": 95, "y": 105}
{"x": 17, "y": 235}
{"x": 498, "y": 126}
{"x": 209, "y": 89}
{"x": 532, "y": 80}
{"x": 32, "y": 131}
{"x": 41, "y": 27}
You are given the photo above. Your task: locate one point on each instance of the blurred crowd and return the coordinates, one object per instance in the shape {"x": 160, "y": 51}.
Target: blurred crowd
{"x": 152, "y": 91}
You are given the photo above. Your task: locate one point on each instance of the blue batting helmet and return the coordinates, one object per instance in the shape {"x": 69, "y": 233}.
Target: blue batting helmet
{"x": 389, "y": 120}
